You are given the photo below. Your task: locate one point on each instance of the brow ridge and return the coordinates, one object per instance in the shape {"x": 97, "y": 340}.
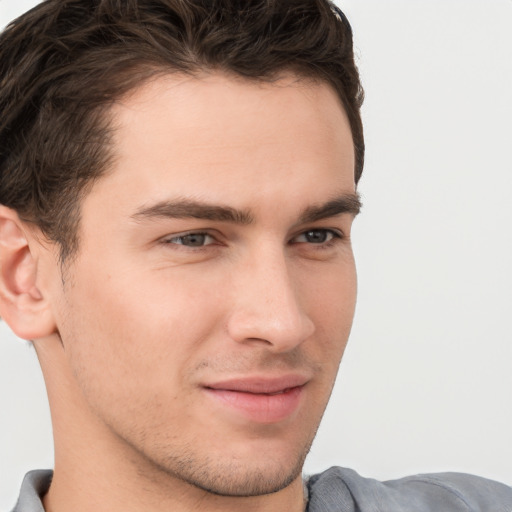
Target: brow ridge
{"x": 344, "y": 204}
{"x": 187, "y": 209}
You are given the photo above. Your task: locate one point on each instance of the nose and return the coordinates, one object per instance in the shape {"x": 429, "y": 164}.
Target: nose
{"x": 267, "y": 305}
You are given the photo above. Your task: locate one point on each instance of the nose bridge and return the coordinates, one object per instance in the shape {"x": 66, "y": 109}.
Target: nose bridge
{"x": 267, "y": 303}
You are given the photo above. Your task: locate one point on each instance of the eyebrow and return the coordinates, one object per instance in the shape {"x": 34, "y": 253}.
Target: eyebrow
{"x": 346, "y": 203}
{"x": 191, "y": 209}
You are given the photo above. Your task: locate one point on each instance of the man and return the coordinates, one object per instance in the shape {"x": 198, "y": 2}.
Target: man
{"x": 178, "y": 184}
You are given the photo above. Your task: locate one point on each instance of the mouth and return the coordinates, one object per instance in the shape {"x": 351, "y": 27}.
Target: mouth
{"x": 259, "y": 400}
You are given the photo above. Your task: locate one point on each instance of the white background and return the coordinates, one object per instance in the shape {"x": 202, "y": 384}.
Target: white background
{"x": 425, "y": 384}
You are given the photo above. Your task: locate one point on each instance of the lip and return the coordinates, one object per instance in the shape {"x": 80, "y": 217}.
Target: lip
{"x": 259, "y": 399}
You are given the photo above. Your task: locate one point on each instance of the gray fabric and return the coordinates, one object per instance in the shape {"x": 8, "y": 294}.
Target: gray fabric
{"x": 35, "y": 484}
{"x": 343, "y": 490}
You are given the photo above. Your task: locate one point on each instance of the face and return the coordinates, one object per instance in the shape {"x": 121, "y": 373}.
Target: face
{"x": 208, "y": 308}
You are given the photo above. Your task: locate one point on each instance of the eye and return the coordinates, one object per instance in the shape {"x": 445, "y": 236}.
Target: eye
{"x": 317, "y": 236}
{"x": 191, "y": 240}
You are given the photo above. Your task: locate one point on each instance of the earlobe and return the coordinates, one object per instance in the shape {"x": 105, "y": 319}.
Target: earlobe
{"x": 22, "y": 305}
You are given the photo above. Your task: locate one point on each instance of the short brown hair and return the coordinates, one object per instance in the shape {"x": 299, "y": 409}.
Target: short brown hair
{"x": 63, "y": 63}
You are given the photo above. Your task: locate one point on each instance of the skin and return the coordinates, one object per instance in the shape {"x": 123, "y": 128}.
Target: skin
{"x": 147, "y": 316}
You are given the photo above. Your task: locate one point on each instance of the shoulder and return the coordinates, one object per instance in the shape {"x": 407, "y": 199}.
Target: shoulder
{"x": 35, "y": 484}
{"x": 343, "y": 489}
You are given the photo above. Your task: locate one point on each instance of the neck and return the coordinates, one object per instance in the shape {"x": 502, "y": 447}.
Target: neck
{"x": 89, "y": 489}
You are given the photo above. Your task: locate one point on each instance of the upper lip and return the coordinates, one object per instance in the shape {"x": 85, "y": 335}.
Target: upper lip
{"x": 260, "y": 385}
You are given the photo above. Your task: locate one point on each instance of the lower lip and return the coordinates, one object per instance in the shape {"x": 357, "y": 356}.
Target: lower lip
{"x": 260, "y": 408}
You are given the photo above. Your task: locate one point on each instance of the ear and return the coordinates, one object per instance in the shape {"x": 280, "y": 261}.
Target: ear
{"x": 22, "y": 305}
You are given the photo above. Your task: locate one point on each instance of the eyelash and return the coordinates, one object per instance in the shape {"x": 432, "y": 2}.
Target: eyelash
{"x": 336, "y": 236}
{"x": 189, "y": 234}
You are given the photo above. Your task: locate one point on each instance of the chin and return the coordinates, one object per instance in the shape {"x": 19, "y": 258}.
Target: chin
{"x": 245, "y": 476}
{"x": 243, "y": 481}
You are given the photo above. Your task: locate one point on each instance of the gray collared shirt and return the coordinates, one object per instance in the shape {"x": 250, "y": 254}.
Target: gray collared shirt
{"x": 343, "y": 490}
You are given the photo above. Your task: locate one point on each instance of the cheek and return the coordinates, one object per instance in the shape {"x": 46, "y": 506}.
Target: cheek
{"x": 331, "y": 294}
{"x": 132, "y": 335}
{"x": 331, "y": 303}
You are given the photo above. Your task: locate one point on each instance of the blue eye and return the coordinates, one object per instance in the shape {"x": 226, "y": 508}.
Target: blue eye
{"x": 192, "y": 240}
{"x": 317, "y": 236}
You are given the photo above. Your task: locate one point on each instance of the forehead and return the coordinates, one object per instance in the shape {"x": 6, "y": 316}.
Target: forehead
{"x": 229, "y": 140}
{"x": 199, "y": 97}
